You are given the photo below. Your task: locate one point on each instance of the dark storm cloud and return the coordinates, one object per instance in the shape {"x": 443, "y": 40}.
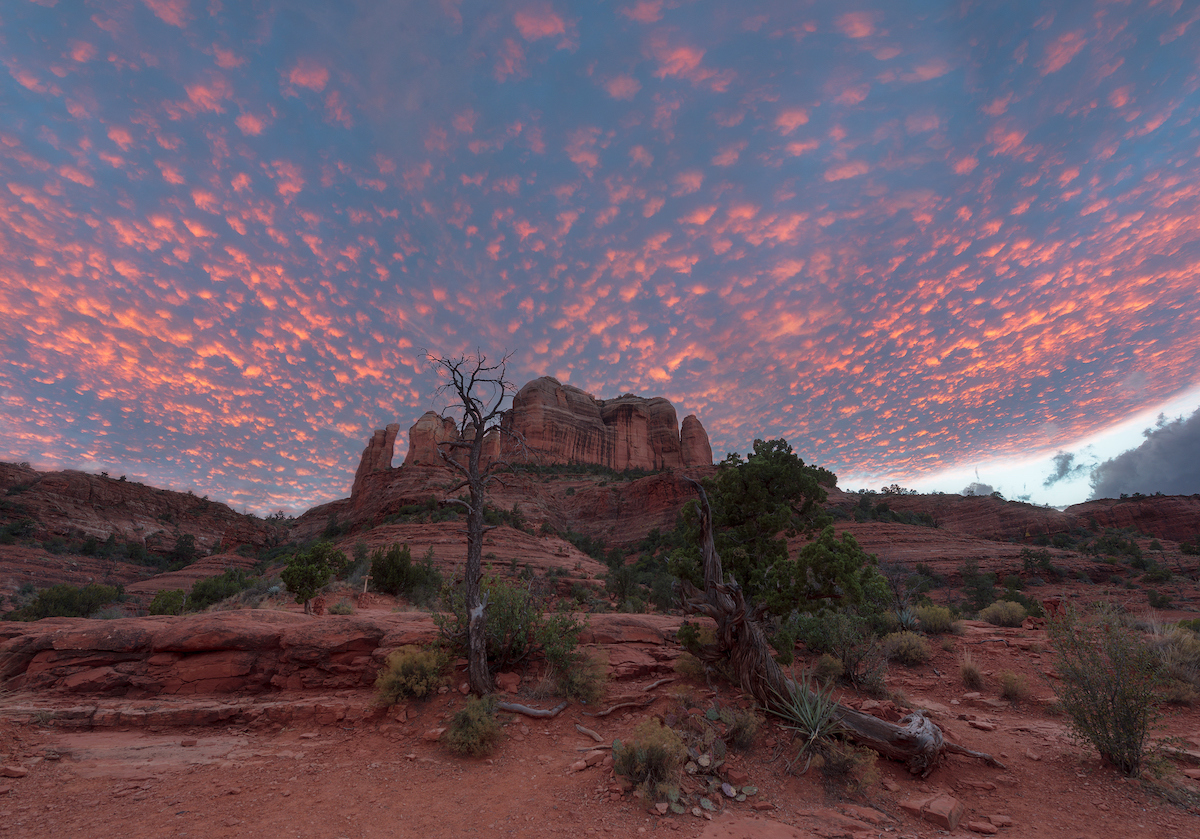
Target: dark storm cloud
{"x": 1065, "y": 468}
{"x": 1168, "y": 462}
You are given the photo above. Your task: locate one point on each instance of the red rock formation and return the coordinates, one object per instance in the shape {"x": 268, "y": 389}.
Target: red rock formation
{"x": 697, "y": 451}
{"x": 563, "y": 424}
{"x": 378, "y": 454}
{"x": 423, "y": 439}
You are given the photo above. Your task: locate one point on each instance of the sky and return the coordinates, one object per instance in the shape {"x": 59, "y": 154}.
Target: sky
{"x": 929, "y": 243}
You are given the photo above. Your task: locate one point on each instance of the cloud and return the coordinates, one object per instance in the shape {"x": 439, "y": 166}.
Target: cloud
{"x": 1168, "y": 462}
{"x": 174, "y": 12}
{"x": 977, "y": 488}
{"x": 1065, "y": 469}
{"x": 310, "y": 74}
{"x": 622, "y": 87}
{"x": 538, "y": 23}
{"x": 1061, "y": 51}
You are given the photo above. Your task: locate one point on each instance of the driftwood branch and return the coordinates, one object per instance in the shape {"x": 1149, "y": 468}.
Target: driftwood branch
{"x": 641, "y": 703}
{"x": 741, "y": 644}
{"x": 515, "y": 708}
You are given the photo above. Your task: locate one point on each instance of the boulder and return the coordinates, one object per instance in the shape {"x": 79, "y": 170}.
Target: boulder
{"x": 697, "y": 451}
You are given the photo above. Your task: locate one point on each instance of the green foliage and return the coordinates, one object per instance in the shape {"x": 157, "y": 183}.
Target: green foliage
{"x": 517, "y": 625}
{"x": 866, "y": 510}
{"x": 1004, "y": 613}
{"x": 1191, "y": 548}
{"x": 828, "y": 667}
{"x": 213, "y": 590}
{"x": 741, "y": 727}
{"x": 907, "y": 648}
{"x": 935, "y": 620}
{"x": 757, "y": 504}
{"x": 184, "y": 553}
{"x": 979, "y": 588}
{"x": 581, "y": 679}
{"x": 393, "y": 572}
{"x": 308, "y": 571}
{"x": 167, "y": 602}
{"x": 1114, "y": 543}
{"x": 410, "y": 671}
{"x": 1157, "y": 573}
{"x": 651, "y": 759}
{"x": 342, "y": 607}
{"x": 812, "y": 713}
{"x": 474, "y": 730}
{"x": 850, "y": 639}
{"x": 1108, "y": 685}
{"x": 1157, "y": 599}
{"x": 66, "y": 601}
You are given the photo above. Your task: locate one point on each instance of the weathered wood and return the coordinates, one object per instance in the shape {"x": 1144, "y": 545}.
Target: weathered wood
{"x": 515, "y": 708}
{"x": 741, "y": 645}
{"x": 641, "y": 703}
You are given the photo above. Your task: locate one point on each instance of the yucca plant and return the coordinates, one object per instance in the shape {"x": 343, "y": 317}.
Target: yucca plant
{"x": 811, "y": 711}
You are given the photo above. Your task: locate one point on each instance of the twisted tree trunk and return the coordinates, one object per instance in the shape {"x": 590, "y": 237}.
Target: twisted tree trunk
{"x": 741, "y": 644}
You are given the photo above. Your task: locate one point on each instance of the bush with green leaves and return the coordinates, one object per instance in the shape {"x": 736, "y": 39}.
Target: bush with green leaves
{"x": 851, "y": 639}
{"x": 393, "y": 572}
{"x": 212, "y": 590}
{"x": 810, "y": 711}
{"x": 410, "y": 672}
{"x": 309, "y": 571}
{"x": 906, "y": 647}
{"x": 518, "y": 626}
{"x": 651, "y": 759}
{"x": 474, "y": 730}
{"x": 1108, "y": 685}
{"x": 978, "y": 587}
{"x": 168, "y": 602}
{"x": 67, "y": 601}
{"x": 1004, "y": 613}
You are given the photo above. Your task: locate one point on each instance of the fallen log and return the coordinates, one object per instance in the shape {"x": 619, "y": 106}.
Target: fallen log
{"x": 741, "y": 645}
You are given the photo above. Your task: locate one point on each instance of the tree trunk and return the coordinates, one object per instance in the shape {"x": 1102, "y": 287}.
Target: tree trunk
{"x": 742, "y": 645}
{"x": 479, "y": 676}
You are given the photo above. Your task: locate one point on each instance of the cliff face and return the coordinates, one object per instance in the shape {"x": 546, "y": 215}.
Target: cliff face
{"x": 563, "y": 424}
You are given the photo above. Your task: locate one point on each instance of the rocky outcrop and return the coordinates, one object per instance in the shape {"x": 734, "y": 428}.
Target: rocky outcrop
{"x": 697, "y": 451}
{"x": 378, "y": 454}
{"x": 423, "y": 439}
{"x": 1175, "y": 517}
{"x": 563, "y": 424}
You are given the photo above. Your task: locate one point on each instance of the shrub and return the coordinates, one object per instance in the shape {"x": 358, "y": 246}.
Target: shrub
{"x": 848, "y": 637}
{"x": 907, "y": 648}
{"x": 969, "y": 672}
{"x": 308, "y": 571}
{"x": 828, "y": 667}
{"x": 213, "y": 590}
{"x": 342, "y": 607}
{"x": 1157, "y": 574}
{"x": 66, "y": 601}
{"x": 393, "y": 572}
{"x": 935, "y": 620}
{"x": 741, "y": 727}
{"x": 1014, "y": 686}
{"x": 979, "y": 588}
{"x": 651, "y": 759}
{"x": 1107, "y": 686}
{"x": 849, "y": 766}
{"x": 517, "y": 626}
{"x": 474, "y": 730}
{"x": 1157, "y": 599}
{"x": 167, "y": 602}
{"x": 1003, "y": 613}
{"x": 1178, "y": 650}
{"x": 410, "y": 671}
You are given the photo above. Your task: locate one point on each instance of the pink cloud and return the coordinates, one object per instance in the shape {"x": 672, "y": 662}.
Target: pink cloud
{"x": 856, "y": 24}
{"x": 336, "y": 109}
{"x": 700, "y": 215}
{"x": 791, "y": 119}
{"x": 120, "y": 136}
{"x": 288, "y": 180}
{"x": 801, "y": 147}
{"x": 250, "y": 124}
{"x": 688, "y": 182}
{"x": 622, "y": 87}
{"x": 207, "y": 96}
{"x": 1059, "y": 54}
{"x": 510, "y": 60}
{"x": 82, "y": 51}
{"x": 227, "y": 59}
{"x": 728, "y": 155}
{"x": 644, "y": 11}
{"x": 76, "y": 175}
{"x": 539, "y": 23}
{"x": 853, "y": 95}
{"x": 927, "y": 71}
{"x": 581, "y": 149}
{"x": 174, "y": 12}
{"x": 847, "y": 170}
{"x": 965, "y": 165}
{"x": 641, "y": 156}
{"x": 310, "y": 74}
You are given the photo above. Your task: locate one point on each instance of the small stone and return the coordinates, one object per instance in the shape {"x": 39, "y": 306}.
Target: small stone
{"x": 1194, "y": 774}
{"x": 981, "y": 725}
{"x": 578, "y": 766}
{"x": 13, "y": 771}
{"x": 5, "y": 789}
{"x": 762, "y": 806}
{"x": 1032, "y": 755}
{"x": 890, "y": 785}
{"x": 1001, "y": 820}
{"x": 661, "y": 808}
{"x": 433, "y": 734}
{"x": 464, "y": 688}
{"x": 737, "y": 777}
{"x": 189, "y": 742}
{"x": 308, "y": 735}
{"x": 986, "y": 828}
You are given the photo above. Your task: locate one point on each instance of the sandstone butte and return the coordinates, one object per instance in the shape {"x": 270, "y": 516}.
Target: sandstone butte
{"x": 561, "y": 424}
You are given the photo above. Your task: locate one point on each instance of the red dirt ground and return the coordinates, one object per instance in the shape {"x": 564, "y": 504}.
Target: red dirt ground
{"x": 373, "y": 776}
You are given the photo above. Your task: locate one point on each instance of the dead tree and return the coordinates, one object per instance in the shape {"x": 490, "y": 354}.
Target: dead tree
{"x": 741, "y": 645}
{"x": 479, "y": 390}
